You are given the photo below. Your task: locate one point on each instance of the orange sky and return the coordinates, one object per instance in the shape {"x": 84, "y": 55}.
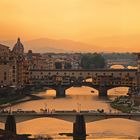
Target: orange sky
{"x": 101, "y": 22}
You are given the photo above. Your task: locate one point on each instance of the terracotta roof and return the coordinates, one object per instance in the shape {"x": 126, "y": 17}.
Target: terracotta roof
{"x": 1, "y": 45}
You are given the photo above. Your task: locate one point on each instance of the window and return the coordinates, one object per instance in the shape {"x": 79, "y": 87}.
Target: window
{"x": 13, "y": 71}
{"x": 5, "y": 78}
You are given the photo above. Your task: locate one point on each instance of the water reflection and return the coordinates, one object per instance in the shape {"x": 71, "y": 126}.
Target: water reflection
{"x": 113, "y": 128}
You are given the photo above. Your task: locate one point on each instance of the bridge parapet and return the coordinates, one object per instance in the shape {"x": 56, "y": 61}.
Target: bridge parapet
{"x": 70, "y": 116}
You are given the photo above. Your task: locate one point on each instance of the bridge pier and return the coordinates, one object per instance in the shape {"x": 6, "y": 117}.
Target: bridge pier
{"x": 103, "y": 91}
{"x": 10, "y": 124}
{"x": 60, "y": 92}
{"x": 79, "y": 128}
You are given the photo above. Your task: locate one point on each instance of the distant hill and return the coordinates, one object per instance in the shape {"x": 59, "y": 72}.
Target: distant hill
{"x": 52, "y": 45}
{"x": 122, "y": 43}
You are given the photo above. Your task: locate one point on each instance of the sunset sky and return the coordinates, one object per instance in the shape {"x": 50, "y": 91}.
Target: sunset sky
{"x": 106, "y": 23}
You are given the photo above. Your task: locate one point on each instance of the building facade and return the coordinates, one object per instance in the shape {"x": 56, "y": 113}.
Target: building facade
{"x": 4, "y": 65}
{"x": 12, "y": 66}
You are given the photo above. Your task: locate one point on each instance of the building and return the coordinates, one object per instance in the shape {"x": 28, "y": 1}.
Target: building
{"x": 17, "y": 67}
{"x": 4, "y": 65}
{"x": 13, "y": 67}
{"x": 18, "y": 48}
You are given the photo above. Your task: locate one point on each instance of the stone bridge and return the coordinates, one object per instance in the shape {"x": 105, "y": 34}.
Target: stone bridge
{"x": 78, "y": 119}
{"x": 99, "y": 79}
{"x": 124, "y": 62}
{"x": 70, "y": 117}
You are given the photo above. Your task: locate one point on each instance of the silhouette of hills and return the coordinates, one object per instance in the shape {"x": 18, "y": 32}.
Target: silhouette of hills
{"x": 52, "y": 45}
{"x": 122, "y": 43}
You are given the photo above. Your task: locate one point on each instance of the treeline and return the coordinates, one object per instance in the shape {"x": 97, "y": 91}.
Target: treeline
{"x": 92, "y": 61}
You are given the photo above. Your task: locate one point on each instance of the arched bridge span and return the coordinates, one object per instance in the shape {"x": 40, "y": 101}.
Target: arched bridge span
{"x": 102, "y": 80}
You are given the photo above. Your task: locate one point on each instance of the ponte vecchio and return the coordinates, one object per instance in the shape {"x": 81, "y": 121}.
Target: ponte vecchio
{"x": 99, "y": 79}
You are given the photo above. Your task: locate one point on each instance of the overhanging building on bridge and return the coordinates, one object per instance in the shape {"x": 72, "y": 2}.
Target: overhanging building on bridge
{"x": 102, "y": 80}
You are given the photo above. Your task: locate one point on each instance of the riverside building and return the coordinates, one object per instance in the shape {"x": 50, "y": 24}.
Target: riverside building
{"x": 13, "y": 67}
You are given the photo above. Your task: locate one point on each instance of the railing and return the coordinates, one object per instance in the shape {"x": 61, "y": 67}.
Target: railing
{"x": 70, "y": 112}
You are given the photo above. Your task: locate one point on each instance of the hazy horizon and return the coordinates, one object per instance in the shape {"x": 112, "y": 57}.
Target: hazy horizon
{"x": 112, "y": 25}
{"x": 42, "y": 45}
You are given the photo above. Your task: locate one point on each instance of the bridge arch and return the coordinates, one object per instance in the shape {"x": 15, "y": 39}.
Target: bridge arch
{"x": 61, "y": 118}
{"x": 118, "y": 90}
{"x": 119, "y": 66}
{"x": 84, "y": 90}
{"x": 62, "y": 91}
{"x": 88, "y": 79}
{"x": 46, "y": 123}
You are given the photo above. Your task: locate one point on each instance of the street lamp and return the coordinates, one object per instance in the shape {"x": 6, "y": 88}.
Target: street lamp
{"x": 79, "y": 107}
{"x": 45, "y": 107}
{"x": 10, "y": 109}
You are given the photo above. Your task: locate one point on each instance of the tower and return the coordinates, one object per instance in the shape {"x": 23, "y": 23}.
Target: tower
{"x": 17, "y": 64}
{"x": 18, "y": 48}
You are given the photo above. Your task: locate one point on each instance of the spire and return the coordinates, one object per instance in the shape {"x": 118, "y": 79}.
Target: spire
{"x": 18, "y": 40}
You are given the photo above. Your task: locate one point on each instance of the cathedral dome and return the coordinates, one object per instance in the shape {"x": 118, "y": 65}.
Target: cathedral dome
{"x": 18, "y": 47}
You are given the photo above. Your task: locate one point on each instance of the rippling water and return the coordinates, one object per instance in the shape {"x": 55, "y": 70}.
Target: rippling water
{"x": 106, "y": 129}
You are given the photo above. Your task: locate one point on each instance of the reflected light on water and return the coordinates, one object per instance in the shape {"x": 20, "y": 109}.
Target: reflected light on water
{"x": 116, "y": 128}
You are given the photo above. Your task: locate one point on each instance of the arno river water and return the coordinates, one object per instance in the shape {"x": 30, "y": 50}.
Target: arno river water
{"x": 113, "y": 128}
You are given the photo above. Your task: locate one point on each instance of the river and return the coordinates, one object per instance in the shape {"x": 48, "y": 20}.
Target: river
{"x": 106, "y": 129}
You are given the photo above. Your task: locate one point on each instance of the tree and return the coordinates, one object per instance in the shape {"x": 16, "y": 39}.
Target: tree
{"x": 91, "y": 61}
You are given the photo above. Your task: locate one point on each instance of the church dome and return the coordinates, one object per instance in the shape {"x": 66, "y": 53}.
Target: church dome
{"x": 18, "y": 47}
